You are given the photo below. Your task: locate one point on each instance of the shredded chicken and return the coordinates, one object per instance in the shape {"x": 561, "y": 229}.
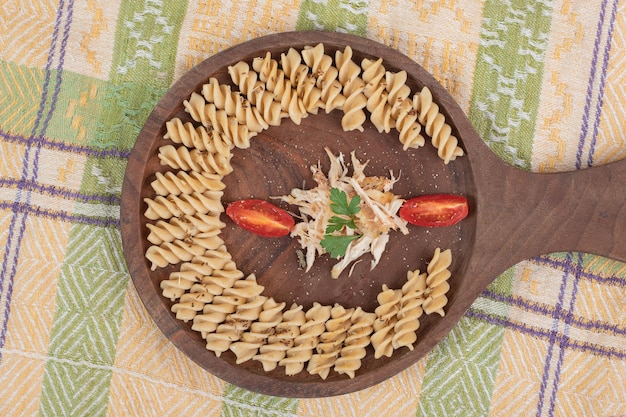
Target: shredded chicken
{"x": 377, "y": 217}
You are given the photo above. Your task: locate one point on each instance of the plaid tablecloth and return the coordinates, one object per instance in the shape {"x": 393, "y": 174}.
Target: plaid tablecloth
{"x": 543, "y": 82}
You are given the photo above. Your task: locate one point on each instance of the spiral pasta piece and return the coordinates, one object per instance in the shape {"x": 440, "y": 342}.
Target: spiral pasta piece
{"x": 282, "y": 340}
{"x": 171, "y": 253}
{"x": 373, "y": 75}
{"x": 184, "y": 182}
{"x": 263, "y": 111}
{"x": 248, "y": 346}
{"x": 357, "y": 339}
{"x": 190, "y": 304}
{"x": 162, "y": 231}
{"x": 404, "y": 330}
{"x": 437, "y": 282}
{"x": 195, "y": 160}
{"x": 218, "y": 120}
{"x": 291, "y": 63}
{"x": 222, "y": 96}
{"x": 186, "y": 204}
{"x": 217, "y": 313}
{"x": 353, "y": 86}
{"x": 380, "y": 110}
{"x": 386, "y": 318}
{"x": 177, "y": 284}
{"x": 436, "y": 127}
{"x": 395, "y": 84}
{"x": 307, "y": 340}
{"x": 330, "y": 342}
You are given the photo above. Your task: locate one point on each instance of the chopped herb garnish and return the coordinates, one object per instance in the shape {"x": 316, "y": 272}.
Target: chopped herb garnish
{"x": 337, "y": 244}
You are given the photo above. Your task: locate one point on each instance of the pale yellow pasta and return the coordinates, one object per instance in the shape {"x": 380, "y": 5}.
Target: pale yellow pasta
{"x": 279, "y": 84}
{"x": 357, "y": 339}
{"x": 177, "y": 284}
{"x": 353, "y": 87}
{"x": 270, "y": 316}
{"x": 215, "y": 313}
{"x": 219, "y": 341}
{"x": 382, "y": 337}
{"x": 386, "y": 318}
{"x": 245, "y": 288}
{"x": 388, "y": 303}
{"x": 162, "y": 231}
{"x": 436, "y": 127}
{"x": 248, "y": 346}
{"x": 217, "y": 280}
{"x": 317, "y": 61}
{"x": 395, "y": 84}
{"x": 408, "y": 127}
{"x": 195, "y": 160}
{"x": 236, "y": 132}
{"x": 373, "y": 75}
{"x": 186, "y": 204}
{"x": 282, "y": 340}
{"x": 307, "y": 340}
{"x": 380, "y": 110}
{"x": 331, "y": 90}
{"x": 221, "y": 95}
{"x": 266, "y": 67}
{"x": 213, "y": 141}
{"x": 437, "y": 282}
{"x": 184, "y": 182}
{"x": 263, "y": 111}
{"x": 330, "y": 342}
{"x": 269, "y": 109}
{"x": 189, "y": 305}
{"x": 311, "y": 95}
{"x": 292, "y": 66}
{"x": 404, "y": 331}
{"x": 170, "y": 253}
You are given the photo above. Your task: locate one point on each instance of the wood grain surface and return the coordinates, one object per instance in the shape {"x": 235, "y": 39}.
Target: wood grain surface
{"x": 514, "y": 215}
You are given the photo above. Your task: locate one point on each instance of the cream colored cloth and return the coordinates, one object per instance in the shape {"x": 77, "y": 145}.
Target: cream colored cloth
{"x": 543, "y": 83}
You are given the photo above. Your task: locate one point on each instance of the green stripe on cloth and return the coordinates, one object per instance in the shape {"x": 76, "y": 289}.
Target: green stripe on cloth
{"x": 508, "y": 75}
{"x": 79, "y": 103}
{"x": 20, "y": 97}
{"x": 349, "y": 16}
{"x": 89, "y": 304}
{"x": 239, "y": 402}
{"x": 461, "y": 370}
{"x": 142, "y": 68}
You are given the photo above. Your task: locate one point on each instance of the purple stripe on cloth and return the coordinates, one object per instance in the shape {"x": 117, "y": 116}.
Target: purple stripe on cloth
{"x": 605, "y": 67}
{"x": 552, "y": 339}
{"x": 551, "y": 312}
{"x": 570, "y": 310}
{"x": 584, "y": 130}
{"x": 594, "y": 60}
{"x": 609, "y": 280}
{"x": 563, "y": 341}
{"x": 28, "y": 209}
{"x": 42, "y": 142}
{"x": 18, "y": 220}
{"x": 56, "y": 191}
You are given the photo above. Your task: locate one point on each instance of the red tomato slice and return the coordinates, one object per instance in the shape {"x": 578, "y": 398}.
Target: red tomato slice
{"x": 260, "y": 217}
{"x": 434, "y": 210}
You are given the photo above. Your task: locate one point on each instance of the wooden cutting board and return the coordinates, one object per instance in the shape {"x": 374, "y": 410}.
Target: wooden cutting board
{"x": 514, "y": 215}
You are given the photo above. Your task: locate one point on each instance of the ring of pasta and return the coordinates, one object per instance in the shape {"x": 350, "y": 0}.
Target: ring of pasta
{"x": 225, "y": 306}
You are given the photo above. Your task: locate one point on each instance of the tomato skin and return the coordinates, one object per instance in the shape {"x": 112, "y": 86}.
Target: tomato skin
{"x": 435, "y": 210}
{"x": 260, "y": 217}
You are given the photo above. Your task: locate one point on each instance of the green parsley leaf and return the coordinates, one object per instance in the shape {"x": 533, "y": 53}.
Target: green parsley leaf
{"x": 336, "y": 224}
{"x": 336, "y": 246}
{"x": 340, "y": 205}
